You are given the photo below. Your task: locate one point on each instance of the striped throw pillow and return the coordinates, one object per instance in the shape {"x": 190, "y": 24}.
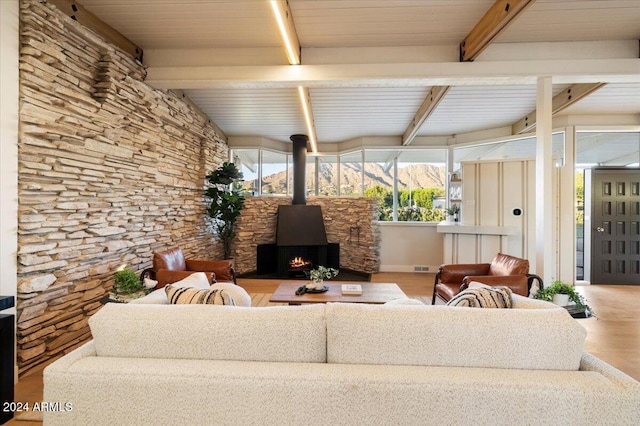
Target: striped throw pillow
{"x": 483, "y": 298}
{"x": 190, "y": 295}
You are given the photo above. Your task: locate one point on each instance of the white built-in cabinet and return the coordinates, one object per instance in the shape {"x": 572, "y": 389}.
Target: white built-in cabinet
{"x": 498, "y": 212}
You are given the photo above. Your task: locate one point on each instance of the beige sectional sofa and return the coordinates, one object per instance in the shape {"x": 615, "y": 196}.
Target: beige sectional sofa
{"x": 337, "y": 364}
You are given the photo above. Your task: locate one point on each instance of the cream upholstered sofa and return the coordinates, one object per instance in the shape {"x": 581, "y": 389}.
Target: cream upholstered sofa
{"x": 337, "y": 364}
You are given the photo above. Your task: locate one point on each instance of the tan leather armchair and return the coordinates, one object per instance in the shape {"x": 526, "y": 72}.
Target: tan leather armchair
{"x": 170, "y": 266}
{"x": 504, "y": 270}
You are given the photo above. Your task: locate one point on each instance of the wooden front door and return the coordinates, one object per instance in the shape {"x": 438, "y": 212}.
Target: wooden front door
{"x": 615, "y": 236}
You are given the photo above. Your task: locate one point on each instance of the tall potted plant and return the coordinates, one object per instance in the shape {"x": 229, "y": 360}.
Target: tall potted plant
{"x": 227, "y": 199}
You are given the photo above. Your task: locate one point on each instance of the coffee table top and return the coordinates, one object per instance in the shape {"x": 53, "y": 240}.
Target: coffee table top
{"x": 371, "y": 293}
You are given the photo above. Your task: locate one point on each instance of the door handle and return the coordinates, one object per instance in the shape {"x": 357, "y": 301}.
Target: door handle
{"x": 600, "y": 229}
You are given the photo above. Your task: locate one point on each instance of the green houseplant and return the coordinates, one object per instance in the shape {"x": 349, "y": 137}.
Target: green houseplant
{"x": 559, "y": 287}
{"x": 322, "y": 273}
{"x": 227, "y": 200}
{"x": 452, "y": 212}
{"x": 126, "y": 281}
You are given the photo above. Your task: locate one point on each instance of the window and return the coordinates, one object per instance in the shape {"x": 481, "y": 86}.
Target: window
{"x": 351, "y": 174}
{"x": 248, "y": 163}
{"x": 274, "y": 173}
{"x": 510, "y": 149}
{"x": 327, "y": 175}
{"x": 421, "y": 183}
{"x": 420, "y": 178}
{"x": 378, "y": 179}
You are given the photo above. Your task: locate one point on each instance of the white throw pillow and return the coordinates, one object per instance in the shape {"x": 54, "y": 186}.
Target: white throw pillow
{"x": 196, "y": 280}
{"x": 239, "y": 294}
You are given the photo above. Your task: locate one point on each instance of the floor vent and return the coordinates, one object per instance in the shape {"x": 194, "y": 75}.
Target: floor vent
{"x": 420, "y": 269}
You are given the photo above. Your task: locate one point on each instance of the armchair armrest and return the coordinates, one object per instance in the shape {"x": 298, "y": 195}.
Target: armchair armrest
{"x": 165, "y": 276}
{"x": 222, "y": 269}
{"x": 455, "y": 273}
{"x": 517, "y": 283}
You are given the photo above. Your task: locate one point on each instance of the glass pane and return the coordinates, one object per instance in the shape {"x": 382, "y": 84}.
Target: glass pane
{"x": 274, "y": 173}
{"x": 421, "y": 186}
{"x": 310, "y": 175}
{"x": 351, "y": 173}
{"x": 378, "y": 179}
{"x": 247, "y": 162}
{"x": 327, "y": 174}
{"x": 607, "y": 149}
{"x": 523, "y": 148}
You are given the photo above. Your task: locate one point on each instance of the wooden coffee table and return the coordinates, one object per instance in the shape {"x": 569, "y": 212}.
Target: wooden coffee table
{"x": 371, "y": 293}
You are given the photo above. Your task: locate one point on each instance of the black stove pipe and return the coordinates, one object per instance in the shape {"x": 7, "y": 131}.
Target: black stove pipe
{"x": 299, "y": 168}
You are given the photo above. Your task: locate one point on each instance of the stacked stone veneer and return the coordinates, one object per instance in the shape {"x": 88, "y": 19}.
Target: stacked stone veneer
{"x": 342, "y": 219}
{"x": 110, "y": 170}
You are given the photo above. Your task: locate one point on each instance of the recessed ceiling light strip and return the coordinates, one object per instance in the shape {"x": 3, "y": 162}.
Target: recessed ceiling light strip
{"x": 306, "y": 107}
{"x": 287, "y": 30}
{"x": 292, "y": 47}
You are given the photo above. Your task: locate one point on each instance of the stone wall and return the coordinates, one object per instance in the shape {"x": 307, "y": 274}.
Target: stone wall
{"x": 257, "y": 225}
{"x": 110, "y": 170}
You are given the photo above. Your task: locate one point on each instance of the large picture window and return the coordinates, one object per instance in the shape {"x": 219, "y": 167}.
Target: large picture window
{"x": 419, "y": 175}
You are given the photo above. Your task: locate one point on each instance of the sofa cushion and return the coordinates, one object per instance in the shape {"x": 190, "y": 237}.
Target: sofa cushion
{"x": 276, "y": 333}
{"x": 482, "y": 298}
{"x": 537, "y": 339}
{"x": 159, "y": 296}
{"x": 185, "y": 295}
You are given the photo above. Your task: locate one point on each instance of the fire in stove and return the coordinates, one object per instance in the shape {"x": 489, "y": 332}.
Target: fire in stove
{"x": 298, "y": 263}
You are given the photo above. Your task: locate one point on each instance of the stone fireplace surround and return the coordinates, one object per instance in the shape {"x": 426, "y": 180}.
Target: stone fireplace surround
{"x": 350, "y": 221}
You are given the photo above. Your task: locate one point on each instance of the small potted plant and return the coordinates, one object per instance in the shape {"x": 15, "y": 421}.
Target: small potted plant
{"x": 126, "y": 282}
{"x": 321, "y": 273}
{"x": 452, "y": 213}
{"x": 561, "y": 294}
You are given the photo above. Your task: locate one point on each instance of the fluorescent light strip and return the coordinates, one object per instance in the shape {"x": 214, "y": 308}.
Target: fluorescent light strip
{"x": 306, "y": 107}
{"x": 293, "y": 58}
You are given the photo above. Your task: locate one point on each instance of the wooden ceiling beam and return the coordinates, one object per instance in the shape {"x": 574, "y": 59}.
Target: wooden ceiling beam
{"x": 78, "y": 13}
{"x": 496, "y": 20}
{"x": 287, "y": 28}
{"x": 436, "y": 94}
{"x": 491, "y": 25}
{"x": 564, "y": 99}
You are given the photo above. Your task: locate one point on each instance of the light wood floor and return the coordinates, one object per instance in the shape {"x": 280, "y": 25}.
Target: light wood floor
{"x": 613, "y": 335}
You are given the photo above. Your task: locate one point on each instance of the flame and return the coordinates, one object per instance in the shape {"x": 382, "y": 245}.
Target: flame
{"x": 298, "y": 262}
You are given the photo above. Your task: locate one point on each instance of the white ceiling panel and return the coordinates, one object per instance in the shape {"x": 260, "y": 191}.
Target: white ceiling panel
{"x": 360, "y": 23}
{"x": 576, "y": 20}
{"x": 272, "y": 113}
{"x": 342, "y": 114}
{"x": 470, "y": 108}
{"x": 612, "y": 98}
{"x": 155, "y": 24}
